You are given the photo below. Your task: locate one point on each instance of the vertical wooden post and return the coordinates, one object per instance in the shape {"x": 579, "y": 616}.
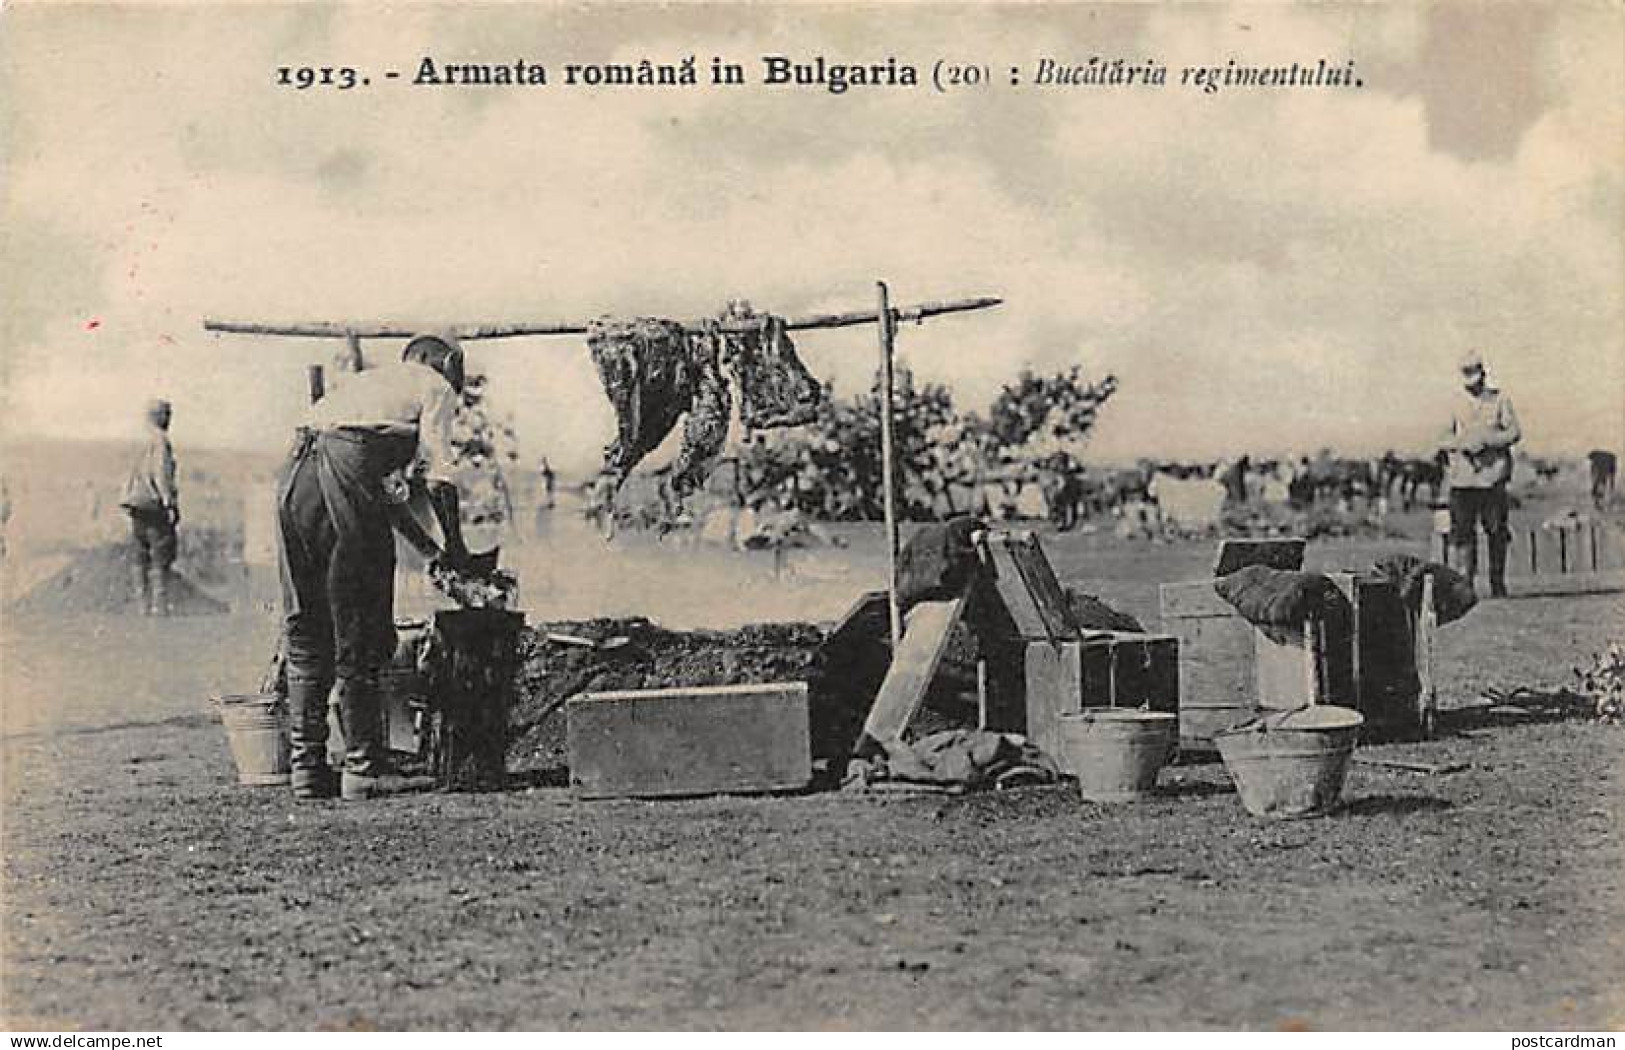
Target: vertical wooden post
{"x": 1313, "y": 642}
{"x": 353, "y": 342}
{"x": 315, "y": 382}
{"x": 888, "y": 457}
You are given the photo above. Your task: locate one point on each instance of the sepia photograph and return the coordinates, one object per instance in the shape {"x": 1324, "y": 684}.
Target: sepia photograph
{"x": 908, "y": 517}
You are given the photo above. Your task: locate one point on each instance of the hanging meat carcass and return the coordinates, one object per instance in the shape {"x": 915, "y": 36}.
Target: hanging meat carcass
{"x": 655, "y": 371}
{"x": 705, "y": 430}
{"x": 645, "y": 368}
{"x": 775, "y": 388}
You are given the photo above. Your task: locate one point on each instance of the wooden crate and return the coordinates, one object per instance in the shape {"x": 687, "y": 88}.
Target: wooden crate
{"x": 1228, "y": 668}
{"x": 1106, "y": 669}
{"x": 649, "y": 743}
{"x": 1367, "y": 660}
{"x": 1216, "y": 685}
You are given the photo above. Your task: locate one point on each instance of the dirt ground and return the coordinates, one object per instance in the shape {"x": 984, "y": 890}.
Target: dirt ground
{"x": 144, "y": 890}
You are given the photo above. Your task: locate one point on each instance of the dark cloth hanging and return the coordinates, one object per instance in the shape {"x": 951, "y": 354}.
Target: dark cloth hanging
{"x": 1281, "y": 598}
{"x": 1453, "y": 595}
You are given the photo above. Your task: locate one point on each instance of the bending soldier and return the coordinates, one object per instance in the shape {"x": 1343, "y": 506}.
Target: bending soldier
{"x": 338, "y": 555}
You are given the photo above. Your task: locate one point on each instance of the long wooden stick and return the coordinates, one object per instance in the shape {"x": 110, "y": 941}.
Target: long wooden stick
{"x": 888, "y": 460}
{"x": 327, "y": 330}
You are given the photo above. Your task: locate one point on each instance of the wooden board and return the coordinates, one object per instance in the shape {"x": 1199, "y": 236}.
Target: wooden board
{"x": 1026, "y": 584}
{"x": 925, "y": 637}
{"x": 651, "y": 743}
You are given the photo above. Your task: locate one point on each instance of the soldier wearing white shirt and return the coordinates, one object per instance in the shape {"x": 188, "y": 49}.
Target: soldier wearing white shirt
{"x": 1483, "y": 429}
{"x": 338, "y": 555}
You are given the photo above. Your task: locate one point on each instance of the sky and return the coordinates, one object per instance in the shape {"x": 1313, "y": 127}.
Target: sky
{"x": 1262, "y": 269}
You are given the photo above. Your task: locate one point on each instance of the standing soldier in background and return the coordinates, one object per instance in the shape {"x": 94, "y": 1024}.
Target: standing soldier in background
{"x": 1483, "y": 429}
{"x": 549, "y": 482}
{"x": 153, "y": 504}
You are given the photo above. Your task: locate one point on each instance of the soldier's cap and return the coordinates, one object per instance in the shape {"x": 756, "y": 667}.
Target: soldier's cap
{"x": 157, "y": 405}
{"x": 441, "y": 352}
{"x": 1472, "y": 361}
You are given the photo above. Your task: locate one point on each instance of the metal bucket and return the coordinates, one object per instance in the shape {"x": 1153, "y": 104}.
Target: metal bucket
{"x": 257, "y": 729}
{"x": 1291, "y": 764}
{"x": 1116, "y": 753}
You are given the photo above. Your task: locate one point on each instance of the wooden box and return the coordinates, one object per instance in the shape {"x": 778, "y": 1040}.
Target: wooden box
{"x": 689, "y": 741}
{"x": 1106, "y": 669}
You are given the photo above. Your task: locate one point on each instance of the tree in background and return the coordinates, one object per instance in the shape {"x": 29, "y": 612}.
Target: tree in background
{"x": 1053, "y": 409}
{"x": 831, "y": 469}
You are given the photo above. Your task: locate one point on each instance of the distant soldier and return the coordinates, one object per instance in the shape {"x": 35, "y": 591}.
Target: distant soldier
{"x": 1483, "y": 429}
{"x": 549, "y": 482}
{"x": 153, "y": 504}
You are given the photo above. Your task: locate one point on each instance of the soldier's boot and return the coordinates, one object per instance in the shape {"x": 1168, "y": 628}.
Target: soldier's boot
{"x": 1498, "y": 566}
{"x": 1465, "y": 558}
{"x": 143, "y": 588}
{"x": 312, "y": 776}
{"x": 368, "y": 772}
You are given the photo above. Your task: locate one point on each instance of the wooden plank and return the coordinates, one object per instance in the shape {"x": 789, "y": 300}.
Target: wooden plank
{"x": 689, "y": 741}
{"x": 1284, "y": 553}
{"x": 1425, "y": 768}
{"x": 1054, "y": 687}
{"x": 925, "y": 637}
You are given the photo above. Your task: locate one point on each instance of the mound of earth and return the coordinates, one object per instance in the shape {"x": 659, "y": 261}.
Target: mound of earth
{"x": 843, "y": 666}
{"x": 102, "y": 580}
{"x": 653, "y": 658}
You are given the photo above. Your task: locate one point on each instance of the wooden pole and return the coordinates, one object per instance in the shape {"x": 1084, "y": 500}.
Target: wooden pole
{"x": 316, "y": 384}
{"x": 353, "y": 341}
{"x": 888, "y": 460}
